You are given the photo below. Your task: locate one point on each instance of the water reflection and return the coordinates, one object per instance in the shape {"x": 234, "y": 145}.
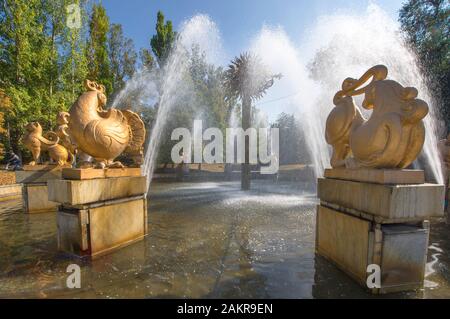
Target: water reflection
{"x": 205, "y": 240}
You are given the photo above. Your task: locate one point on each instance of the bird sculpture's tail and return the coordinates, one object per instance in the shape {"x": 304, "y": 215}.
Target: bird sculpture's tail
{"x": 137, "y": 131}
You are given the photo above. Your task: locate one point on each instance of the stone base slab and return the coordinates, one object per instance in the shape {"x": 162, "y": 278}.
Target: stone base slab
{"x": 44, "y": 167}
{"x": 38, "y": 175}
{"x": 80, "y": 192}
{"x": 91, "y": 173}
{"x": 102, "y": 228}
{"x": 10, "y": 192}
{"x": 35, "y": 199}
{"x": 352, "y": 244}
{"x": 386, "y": 202}
{"x": 379, "y": 176}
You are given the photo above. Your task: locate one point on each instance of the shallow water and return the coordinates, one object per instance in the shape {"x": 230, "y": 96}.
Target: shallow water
{"x": 205, "y": 240}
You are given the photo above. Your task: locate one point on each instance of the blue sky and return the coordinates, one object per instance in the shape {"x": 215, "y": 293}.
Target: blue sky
{"x": 237, "y": 20}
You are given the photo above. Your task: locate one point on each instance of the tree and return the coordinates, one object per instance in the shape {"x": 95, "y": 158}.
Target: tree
{"x": 248, "y": 80}
{"x": 122, "y": 57}
{"x": 5, "y": 107}
{"x": 152, "y": 61}
{"x": 162, "y": 41}
{"x": 74, "y": 62}
{"x": 146, "y": 59}
{"x": 97, "y": 48}
{"x": 55, "y": 12}
{"x": 24, "y": 63}
{"x": 39, "y": 62}
{"x": 426, "y": 24}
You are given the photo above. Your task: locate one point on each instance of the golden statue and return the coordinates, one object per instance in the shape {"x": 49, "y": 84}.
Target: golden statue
{"x": 394, "y": 134}
{"x": 62, "y": 132}
{"x": 36, "y": 142}
{"x": 102, "y": 134}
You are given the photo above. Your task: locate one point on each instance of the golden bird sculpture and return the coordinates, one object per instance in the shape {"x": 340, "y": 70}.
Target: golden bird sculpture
{"x": 394, "y": 134}
{"x": 103, "y": 134}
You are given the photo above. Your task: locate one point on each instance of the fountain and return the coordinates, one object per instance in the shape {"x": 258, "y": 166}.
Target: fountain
{"x": 208, "y": 238}
{"x": 310, "y": 71}
{"x": 334, "y": 47}
{"x": 93, "y": 198}
{"x": 199, "y": 31}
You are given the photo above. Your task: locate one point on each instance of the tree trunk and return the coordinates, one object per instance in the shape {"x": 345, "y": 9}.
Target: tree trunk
{"x": 246, "y": 123}
{"x": 228, "y": 169}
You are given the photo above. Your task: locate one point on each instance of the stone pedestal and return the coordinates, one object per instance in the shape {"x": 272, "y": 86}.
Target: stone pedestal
{"x": 34, "y": 191}
{"x": 99, "y": 215}
{"x": 377, "y": 217}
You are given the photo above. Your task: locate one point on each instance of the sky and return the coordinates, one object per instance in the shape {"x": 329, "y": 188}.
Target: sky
{"x": 237, "y": 20}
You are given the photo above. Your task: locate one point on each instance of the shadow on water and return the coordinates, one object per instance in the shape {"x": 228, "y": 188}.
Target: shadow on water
{"x": 206, "y": 240}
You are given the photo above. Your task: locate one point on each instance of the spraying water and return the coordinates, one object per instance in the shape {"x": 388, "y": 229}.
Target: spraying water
{"x": 201, "y": 32}
{"x": 165, "y": 86}
{"x": 280, "y": 55}
{"x": 337, "y": 47}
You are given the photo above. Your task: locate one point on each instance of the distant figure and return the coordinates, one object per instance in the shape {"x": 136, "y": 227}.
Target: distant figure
{"x": 14, "y": 163}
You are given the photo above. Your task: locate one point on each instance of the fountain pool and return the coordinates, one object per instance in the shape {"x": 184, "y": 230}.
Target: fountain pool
{"x": 205, "y": 239}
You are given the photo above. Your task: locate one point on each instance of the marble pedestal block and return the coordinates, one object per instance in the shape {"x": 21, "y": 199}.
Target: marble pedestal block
{"x": 353, "y": 243}
{"x": 388, "y": 203}
{"x": 377, "y": 217}
{"x": 35, "y": 192}
{"x": 99, "y": 215}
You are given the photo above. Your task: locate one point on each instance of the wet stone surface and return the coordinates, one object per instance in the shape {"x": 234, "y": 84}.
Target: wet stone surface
{"x": 206, "y": 240}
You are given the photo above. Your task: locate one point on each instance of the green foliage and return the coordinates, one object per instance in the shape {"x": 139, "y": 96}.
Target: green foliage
{"x": 146, "y": 58}
{"x": 162, "y": 41}
{"x": 5, "y": 107}
{"x": 97, "y": 48}
{"x": 427, "y": 27}
{"x": 73, "y": 60}
{"x": 43, "y": 64}
{"x": 32, "y": 34}
{"x": 122, "y": 57}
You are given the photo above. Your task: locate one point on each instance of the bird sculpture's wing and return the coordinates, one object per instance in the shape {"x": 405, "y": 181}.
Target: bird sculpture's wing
{"x": 111, "y": 128}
